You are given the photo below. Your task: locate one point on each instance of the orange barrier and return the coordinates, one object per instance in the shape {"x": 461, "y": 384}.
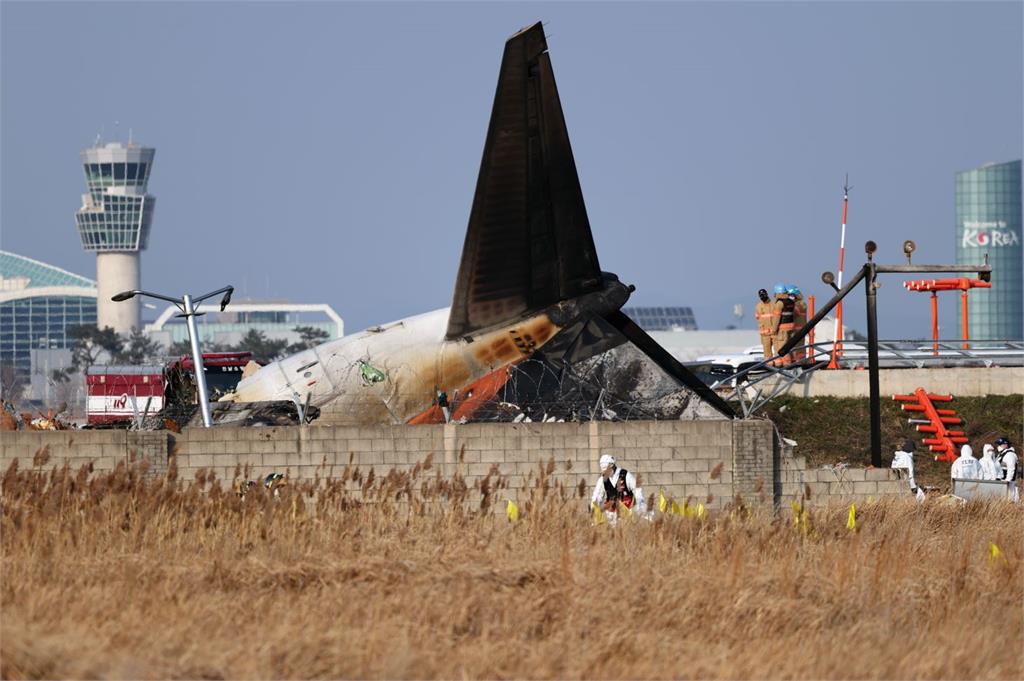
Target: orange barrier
{"x": 943, "y": 442}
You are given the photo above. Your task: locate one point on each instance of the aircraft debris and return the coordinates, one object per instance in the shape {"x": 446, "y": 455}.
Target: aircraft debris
{"x": 534, "y": 322}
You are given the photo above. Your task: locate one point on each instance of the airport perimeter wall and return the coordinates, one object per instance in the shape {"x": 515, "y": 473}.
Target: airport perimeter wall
{"x": 710, "y": 461}
{"x": 960, "y": 382}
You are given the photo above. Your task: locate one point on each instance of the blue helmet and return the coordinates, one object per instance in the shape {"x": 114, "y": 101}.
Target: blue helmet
{"x": 780, "y": 288}
{"x": 792, "y": 290}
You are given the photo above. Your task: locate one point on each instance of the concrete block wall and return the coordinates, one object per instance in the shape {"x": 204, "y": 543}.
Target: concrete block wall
{"x": 708, "y": 461}
{"x": 831, "y": 485}
{"x": 103, "y": 448}
{"x": 961, "y": 381}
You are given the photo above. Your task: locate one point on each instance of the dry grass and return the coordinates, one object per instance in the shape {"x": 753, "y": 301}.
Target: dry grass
{"x": 114, "y": 576}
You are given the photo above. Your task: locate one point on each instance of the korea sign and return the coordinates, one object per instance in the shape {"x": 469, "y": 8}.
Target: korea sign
{"x": 978, "y": 234}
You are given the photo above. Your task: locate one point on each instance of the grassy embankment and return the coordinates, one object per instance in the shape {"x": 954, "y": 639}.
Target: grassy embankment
{"x": 832, "y": 429}
{"x": 116, "y": 577}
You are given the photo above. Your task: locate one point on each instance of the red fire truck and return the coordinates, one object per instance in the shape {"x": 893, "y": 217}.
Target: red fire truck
{"x": 120, "y": 393}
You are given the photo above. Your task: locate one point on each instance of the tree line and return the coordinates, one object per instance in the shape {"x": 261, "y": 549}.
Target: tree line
{"x": 92, "y": 345}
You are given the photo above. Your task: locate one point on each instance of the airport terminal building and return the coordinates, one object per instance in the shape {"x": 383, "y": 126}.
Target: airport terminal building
{"x": 988, "y": 222}
{"x": 39, "y": 303}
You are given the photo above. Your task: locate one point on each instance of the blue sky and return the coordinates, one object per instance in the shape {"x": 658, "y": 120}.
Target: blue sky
{"x": 328, "y": 151}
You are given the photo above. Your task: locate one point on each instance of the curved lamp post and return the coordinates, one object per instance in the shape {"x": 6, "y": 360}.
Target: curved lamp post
{"x": 187, "y": 305}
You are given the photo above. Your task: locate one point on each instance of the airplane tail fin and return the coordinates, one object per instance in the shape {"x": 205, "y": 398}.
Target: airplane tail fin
{"x": 528, "y": 244}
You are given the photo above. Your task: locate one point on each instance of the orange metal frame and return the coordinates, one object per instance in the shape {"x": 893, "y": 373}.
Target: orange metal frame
{"x": 933, "y": 286}
{"x": 943, "y": 441}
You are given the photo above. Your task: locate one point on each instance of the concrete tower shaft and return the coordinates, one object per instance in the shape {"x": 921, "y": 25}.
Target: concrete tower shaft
{"x": 114, "y": 221}
{"x": 116, "y": 272}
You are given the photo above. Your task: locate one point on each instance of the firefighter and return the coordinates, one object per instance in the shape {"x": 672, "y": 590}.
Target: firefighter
{"x": 799, "y": 318}
{"x": 764, "y": 313}
{"x": 784, "y": 327}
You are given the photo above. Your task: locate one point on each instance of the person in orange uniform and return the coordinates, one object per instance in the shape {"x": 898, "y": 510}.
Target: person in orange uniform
{"x": 784, "y": 328}
{"x": 764, "y": 312}
{"x": 799, "y": 318}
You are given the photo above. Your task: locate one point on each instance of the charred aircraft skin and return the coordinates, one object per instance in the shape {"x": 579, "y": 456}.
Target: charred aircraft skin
{"x": 529, "y": 287}
{"x": 415, "y": 361}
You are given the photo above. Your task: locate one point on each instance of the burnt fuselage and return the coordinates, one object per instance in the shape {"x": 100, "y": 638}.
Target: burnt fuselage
{"x": 393, "y": 373}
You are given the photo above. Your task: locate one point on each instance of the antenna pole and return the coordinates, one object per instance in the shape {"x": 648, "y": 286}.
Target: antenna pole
{"x": 837, "y": 345}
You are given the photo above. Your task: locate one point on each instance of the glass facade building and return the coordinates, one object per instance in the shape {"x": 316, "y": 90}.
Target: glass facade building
{"x": 662, "y": 318}
{"x": 275, "y": 319}
{"x": 117, "y": 212}
{"x": 988, "y": 222}
{"x": 39, "y": 303}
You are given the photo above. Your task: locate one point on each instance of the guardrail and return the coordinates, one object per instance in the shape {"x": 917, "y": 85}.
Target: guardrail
{"x": 892, "y": 354}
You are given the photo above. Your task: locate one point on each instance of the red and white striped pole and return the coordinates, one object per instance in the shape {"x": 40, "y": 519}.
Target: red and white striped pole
{"x": 837, "y": 346}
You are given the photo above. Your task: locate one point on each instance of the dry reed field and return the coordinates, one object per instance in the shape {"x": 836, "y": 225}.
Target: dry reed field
{"x": 413, "y": 576}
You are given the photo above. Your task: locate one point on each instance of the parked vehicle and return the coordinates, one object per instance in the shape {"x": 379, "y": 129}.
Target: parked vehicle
{"x": 118, "y": 394}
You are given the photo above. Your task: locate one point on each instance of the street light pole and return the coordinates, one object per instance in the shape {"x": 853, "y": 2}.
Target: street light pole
{"x": 197, "y": 360}
{"x": 187, "y": 305}
{"x": 874, "y": 397}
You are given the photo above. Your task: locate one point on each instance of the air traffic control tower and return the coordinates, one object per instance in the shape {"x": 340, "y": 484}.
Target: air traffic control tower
{"x": 114, "y": 221}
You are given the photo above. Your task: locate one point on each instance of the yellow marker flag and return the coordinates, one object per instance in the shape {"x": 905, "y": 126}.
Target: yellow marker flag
{"x": 662, "y": 503}
{"x": 993, "y": 552}
{"x": 676, "y": 510}
{"x": 512, "y": 511}
{"x": 804, "y": 525}
{"x": 796, "y": 513}
{"x": 700, "y": 511}
{"x": 624, "y": 511}
{"x": 851, "y": 518}
{"x": 599, "y": 518}
{"x": 688, "y": 510}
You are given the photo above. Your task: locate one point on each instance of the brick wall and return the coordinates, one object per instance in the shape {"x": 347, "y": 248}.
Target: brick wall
{"x": 714, "y": 460}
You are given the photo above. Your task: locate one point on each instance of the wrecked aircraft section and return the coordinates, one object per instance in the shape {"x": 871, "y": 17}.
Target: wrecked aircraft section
{"x": 535, "y": 328}
{"x": 621, "y": 384}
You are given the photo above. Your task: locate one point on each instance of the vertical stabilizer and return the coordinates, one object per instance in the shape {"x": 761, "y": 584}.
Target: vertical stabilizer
{"x": 528, "y": 244}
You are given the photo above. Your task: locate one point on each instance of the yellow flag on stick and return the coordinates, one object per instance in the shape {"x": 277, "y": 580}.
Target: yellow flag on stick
{"x": 512, "y": 511}
{"x": 700, "y": 511}
{"x": 993, "y": 552}
{"x": 676, "y": 510}
{"x": 662, "y": 503}
{"x": 796, "y": 513}
{"x": 599, "y": 518}
{"x": 851, "y": 518}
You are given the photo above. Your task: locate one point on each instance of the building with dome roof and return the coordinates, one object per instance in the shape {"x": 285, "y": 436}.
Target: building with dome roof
{"x": 39, "y": 303}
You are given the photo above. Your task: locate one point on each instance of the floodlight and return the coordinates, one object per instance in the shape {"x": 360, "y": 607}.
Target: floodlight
{"x": 828, "y": 278}
{"x": 909, "y": 247}
{"x": 226, "y": 299}
{"x": 122, "y": 296}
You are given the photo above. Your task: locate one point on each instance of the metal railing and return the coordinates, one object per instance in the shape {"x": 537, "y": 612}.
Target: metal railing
{"x": 893, "y": 354}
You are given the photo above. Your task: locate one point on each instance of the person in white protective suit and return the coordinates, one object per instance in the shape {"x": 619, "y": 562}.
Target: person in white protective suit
{"x": 966, "y": 467}
{"x": 989, "y": 466}
{"x": 616, "y": 485}
{"x": 903, "y": 459}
